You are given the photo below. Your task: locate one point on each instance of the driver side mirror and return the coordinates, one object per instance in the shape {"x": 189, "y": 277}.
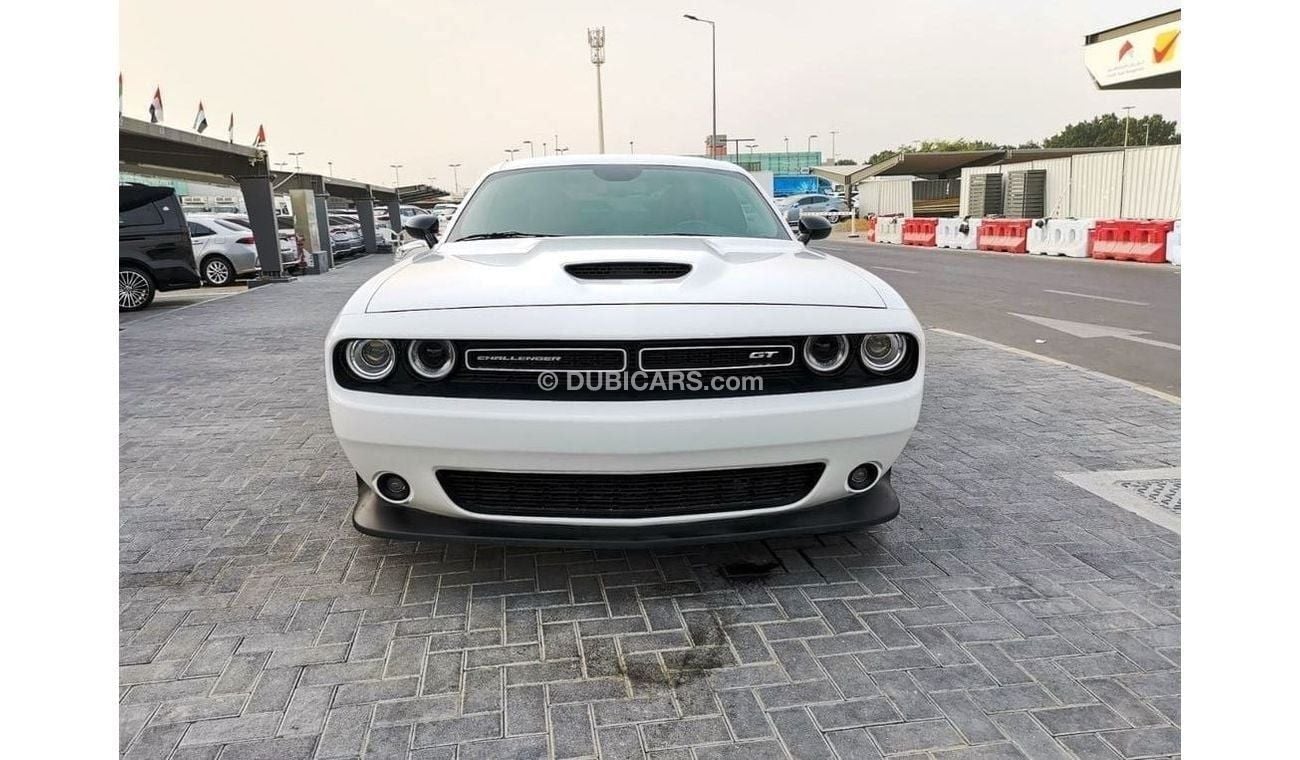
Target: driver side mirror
{"x": 422, "y": 227}
{"x": 812, "y": 227}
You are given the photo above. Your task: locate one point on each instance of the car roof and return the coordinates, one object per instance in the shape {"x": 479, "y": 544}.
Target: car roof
{"x": 618, "y": 159}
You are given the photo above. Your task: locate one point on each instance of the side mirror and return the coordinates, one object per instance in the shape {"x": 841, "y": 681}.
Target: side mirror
{"x": 422, "y": 227}
{"x": 812, "y": 227}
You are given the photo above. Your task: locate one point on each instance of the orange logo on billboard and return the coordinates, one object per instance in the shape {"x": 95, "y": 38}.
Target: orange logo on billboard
{"x": 1164, "y": 49}
{"x": 1124, "y": 50}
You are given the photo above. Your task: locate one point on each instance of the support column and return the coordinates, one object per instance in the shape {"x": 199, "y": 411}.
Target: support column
{"x": 366, "y": 216}
{"x": 259, "y": 199}
{"x": 323, "y": 224}
{"x": 395, "y": 218}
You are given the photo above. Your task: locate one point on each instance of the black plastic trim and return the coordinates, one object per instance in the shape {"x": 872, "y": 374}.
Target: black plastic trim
{"x": 375, "y": 517}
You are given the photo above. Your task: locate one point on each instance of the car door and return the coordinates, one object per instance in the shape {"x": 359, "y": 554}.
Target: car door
{"x": 201, "y": 236}
{"x": 143, "y": 230}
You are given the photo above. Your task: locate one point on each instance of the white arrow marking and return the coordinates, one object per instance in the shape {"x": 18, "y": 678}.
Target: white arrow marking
{"x": 1085, "y": 330}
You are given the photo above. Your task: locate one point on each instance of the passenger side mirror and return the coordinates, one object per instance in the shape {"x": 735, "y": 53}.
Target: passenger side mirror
{"x": 812, "y": 227}
{"x": 423, "y": 227}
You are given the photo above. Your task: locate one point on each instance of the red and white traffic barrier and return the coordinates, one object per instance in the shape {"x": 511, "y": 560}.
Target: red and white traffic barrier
{"x": 1174, "y": 244}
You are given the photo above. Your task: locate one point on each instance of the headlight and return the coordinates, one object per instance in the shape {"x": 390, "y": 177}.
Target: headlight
{"x": 825, "y": 354}
{"x": 431, "y": 359}
{"x": 371, "y": 358}
{"x": 883, "y": 352}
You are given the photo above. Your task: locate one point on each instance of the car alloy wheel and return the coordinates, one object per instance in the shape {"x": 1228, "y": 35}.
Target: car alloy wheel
{"x": 217, "y": 272}
{"x": 134, "y": 290}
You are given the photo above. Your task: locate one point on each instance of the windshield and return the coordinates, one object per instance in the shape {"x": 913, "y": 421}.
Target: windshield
{"x": 617, "y": 200}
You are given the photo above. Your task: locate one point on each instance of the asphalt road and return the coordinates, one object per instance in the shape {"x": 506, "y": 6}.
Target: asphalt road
{"x": 1119, "y": 318}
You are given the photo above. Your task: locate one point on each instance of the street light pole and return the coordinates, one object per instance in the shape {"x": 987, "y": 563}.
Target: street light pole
{"x": 1123, "y": 162}
{"x": 455, "y": 179}
{"x": 531, "y": 152}
{"x": 296, "y": 154}
{"x": 511, "y": 152}
{"x": 1126, "y": 110}
{"x": 713, "y": 47}
{"x": 631, "y": 146}
{"x": 397, "y": 177}
{"x": 833, "y": 133}
{"x": 810, "y": 139}
{"x": 331, "y": 163}
{"x": 596, "y": 39}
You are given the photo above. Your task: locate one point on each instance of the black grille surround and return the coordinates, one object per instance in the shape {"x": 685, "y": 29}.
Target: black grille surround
{"x": 777, "y": 378}
{"x": 613, "y": 496}
{"x": 628, "y": 270}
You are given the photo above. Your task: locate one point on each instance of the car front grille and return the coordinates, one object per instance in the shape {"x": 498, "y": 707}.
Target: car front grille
{"x": 653, "y": 370}
{"x": 617, "y": 496}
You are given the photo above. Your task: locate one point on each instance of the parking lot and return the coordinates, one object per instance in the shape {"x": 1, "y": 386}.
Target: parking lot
{"x": 1006, "y": 613}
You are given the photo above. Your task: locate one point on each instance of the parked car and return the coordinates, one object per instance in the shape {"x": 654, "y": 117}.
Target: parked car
{"x": 223, "y": 250}
{"x": 795, "y": 206}
{"x": 444, "y": 212}
{"x": 290, "y": 257}
{"x": 345, "y": 236}
{"x": 154, "y": 248}
{"x": 622, "y": 350}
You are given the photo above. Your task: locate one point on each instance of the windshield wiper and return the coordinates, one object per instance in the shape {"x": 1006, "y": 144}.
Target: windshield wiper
{"x": 502, "y": 235}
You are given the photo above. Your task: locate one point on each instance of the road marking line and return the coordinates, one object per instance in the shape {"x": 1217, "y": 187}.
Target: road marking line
{"x": 893, "y": 269}
{"x": 1030, "y": 354}
{"x": 1152, "y": 342}
{"x": 1098, "y": 298}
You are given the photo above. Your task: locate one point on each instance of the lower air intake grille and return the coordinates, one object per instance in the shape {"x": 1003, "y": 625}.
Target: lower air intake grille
{"x": 628, "y": 270}
{"x": 634, "y": 495}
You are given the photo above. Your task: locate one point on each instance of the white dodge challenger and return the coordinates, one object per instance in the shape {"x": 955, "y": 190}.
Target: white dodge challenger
{"x": 622, "y": 350}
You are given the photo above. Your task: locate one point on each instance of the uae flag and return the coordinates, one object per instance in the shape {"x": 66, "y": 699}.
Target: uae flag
{"x": 200, "y": 119}
{"x": 230, "y": 130}
{"x": 260, "y": 140}
{"x": 155, "y": 107}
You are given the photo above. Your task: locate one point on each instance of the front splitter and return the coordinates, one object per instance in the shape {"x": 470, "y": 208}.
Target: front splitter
{"x": 376, "y": 517}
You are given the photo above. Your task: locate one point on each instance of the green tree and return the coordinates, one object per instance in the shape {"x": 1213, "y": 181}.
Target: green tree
{"x": 845, "y": 162}
{"x": 935, "y": 146}
{"x": 1107, "y": 130}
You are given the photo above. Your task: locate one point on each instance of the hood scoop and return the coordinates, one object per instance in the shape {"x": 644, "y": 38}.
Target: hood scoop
{"x": 628, "y": 270}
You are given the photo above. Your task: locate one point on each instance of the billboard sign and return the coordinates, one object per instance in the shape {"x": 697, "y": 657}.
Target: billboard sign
{"x": 1143, "y": 54}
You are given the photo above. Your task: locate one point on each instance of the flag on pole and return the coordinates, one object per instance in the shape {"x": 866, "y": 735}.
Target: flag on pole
{"x": 230, "y": 130}
{"x": 155, "y": 107}
{"x": 200, "y": 119}
{"x": 260, "y": 140}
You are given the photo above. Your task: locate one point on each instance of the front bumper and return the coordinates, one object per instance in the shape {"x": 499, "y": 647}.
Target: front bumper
{"x": 415, "y": 436}
{"x": 375, "y": 517}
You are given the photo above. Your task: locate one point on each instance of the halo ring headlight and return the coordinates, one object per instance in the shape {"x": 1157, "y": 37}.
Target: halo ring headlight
{"x": 431, "y": 359}
{"x": 371, "y": 358}
{"x": 826, "y": 354}
{"x": 882, "y": 352}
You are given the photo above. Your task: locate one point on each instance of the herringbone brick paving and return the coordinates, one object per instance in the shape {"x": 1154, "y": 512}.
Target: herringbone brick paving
{"x": 1004, "y": 614}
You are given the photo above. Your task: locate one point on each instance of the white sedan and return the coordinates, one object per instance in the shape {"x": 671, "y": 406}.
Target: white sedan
{"x": 622, "y": 350}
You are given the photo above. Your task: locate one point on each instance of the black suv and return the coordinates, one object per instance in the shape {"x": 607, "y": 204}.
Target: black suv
{"x": 154, "y": 250}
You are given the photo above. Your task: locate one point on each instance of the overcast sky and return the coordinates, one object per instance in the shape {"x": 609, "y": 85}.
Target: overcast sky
{"x": 369, "y": 83}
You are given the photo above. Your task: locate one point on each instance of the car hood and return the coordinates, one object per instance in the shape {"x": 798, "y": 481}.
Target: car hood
{"x": 531, "y": 272}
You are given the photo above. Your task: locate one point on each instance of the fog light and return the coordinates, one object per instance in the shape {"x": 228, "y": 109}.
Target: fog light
{"x": 393, "y": 487}
{"x": 862, "y": 477}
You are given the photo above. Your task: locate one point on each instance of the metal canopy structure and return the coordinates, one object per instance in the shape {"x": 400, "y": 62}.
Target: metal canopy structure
{"x": 157, "y": 147}
{"x": 943, "y": 164}
{"x": 332, "y": 186}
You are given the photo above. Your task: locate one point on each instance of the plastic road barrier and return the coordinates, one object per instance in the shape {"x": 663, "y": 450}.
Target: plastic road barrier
{"x": 1174, "y": 244}
{"x": 946, "y": 234}
{"x": 1060, "y": 237}
{"x": 919, "y": 231}
{"x": 889, "y": 229}
{"x": 871, "y": 229}
{"x": 1130, "y": 240}
{"x": 1037, "y": 241}
{"x": 1004, "y": 235}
